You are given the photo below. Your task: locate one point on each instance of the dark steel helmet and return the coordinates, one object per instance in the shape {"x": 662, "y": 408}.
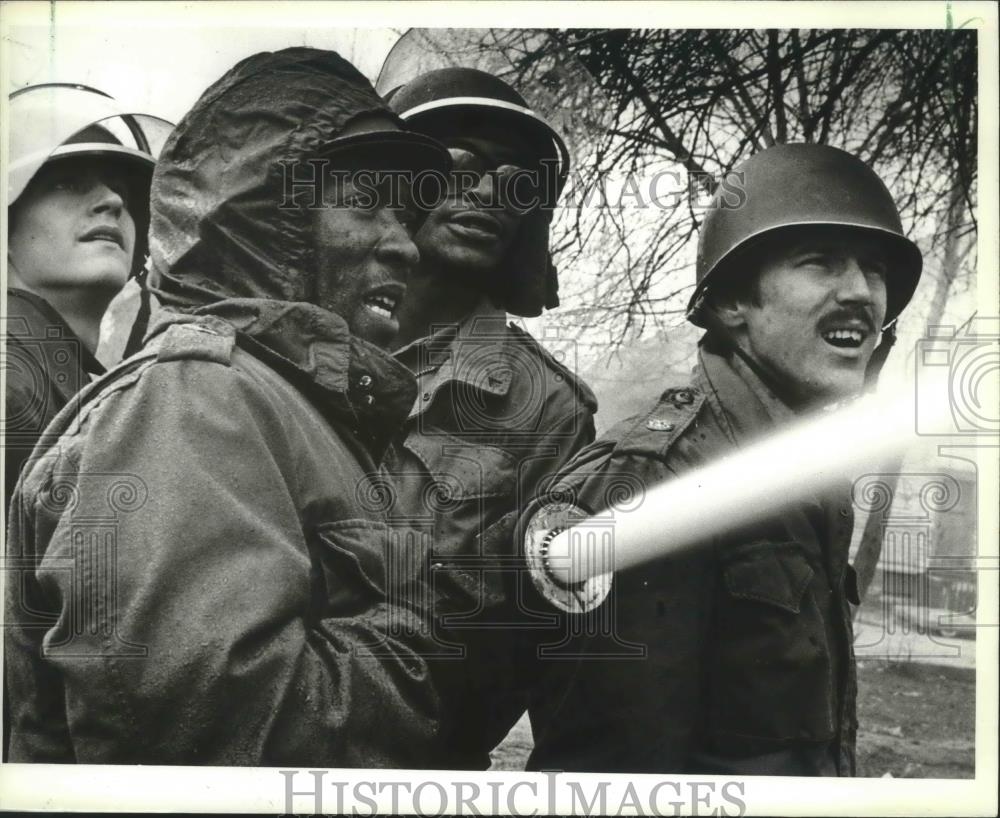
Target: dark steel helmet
{"x": 446, "y": 102}
{"x": 796, "y": 185}
{"x": 434, "y": 101}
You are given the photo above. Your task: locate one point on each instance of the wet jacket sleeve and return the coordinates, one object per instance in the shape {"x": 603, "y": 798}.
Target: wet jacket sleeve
{"x": 569, "y": 432}
{"x": 207, "y": 636}
{"x": 22, "y": 426}
{"x": 587, "y": 711}
{"x": 568, "y": 429}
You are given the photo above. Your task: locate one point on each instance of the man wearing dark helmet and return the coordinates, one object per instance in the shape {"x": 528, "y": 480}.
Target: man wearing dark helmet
{"x": 745, "y": 640}
{"x": 495, "y": 413}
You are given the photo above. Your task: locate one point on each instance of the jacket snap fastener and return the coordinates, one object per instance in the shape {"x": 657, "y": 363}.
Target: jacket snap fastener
{"x": 365, "y": 381}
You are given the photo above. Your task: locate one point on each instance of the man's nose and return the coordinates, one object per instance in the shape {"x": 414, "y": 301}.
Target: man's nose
{"x": 486, "y": 191}
{"x": 853, "y": 283}
{"x": 396, "y": 248}
{"x": 106, "y": 200}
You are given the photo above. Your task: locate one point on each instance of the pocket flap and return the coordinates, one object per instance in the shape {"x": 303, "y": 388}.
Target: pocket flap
{"x": 774, "y": 573}
{"x": 372, "y": 554}
{"x": 463, "y": 470}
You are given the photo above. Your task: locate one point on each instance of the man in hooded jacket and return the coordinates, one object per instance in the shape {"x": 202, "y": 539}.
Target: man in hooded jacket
{"x": 202, "y": 580}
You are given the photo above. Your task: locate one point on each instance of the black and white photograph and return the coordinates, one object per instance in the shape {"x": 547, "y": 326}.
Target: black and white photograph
{"x": 526, "y": 408}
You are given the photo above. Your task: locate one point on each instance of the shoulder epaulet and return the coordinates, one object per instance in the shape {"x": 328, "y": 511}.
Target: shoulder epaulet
{"x": 654, "y": 431}
{"x": 207, "y": 339}
{"x": 583, "y": 392}
{"x": 202, "y": 338}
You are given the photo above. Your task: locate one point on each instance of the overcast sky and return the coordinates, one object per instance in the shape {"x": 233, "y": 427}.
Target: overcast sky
{"x": 159, "y": 60}
{"x": 159, "y": 56}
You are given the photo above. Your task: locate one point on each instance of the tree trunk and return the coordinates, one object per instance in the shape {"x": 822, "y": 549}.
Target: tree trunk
{"x": 870, "y": 547}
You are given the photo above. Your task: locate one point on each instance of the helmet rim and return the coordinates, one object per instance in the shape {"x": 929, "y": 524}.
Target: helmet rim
{"x": 793, "y": 185}
{"x": 425, "y": 111}
{"x": 910, "y": 275}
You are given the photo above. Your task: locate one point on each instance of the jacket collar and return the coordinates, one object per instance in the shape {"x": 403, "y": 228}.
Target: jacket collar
{"x": 31, "y": 318}
{"x": 476, "y": 353}
{"x": 343, "y": 375}
{"x": 747, "y": 410}
{"x": 741, "y": 401}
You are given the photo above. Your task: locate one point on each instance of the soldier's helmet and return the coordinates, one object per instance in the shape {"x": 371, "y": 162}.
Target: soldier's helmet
{"x": 59, "y": 121}
{"x": 447, "y": 102}
{"x": 442, "y": 101}
{"x": 789, "y": 186}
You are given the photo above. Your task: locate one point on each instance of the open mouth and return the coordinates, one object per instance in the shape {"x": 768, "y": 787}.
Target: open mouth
{"x": 385, "y": 301}
{"x": 105, "y": 233}
{"x": 844, "y": 338}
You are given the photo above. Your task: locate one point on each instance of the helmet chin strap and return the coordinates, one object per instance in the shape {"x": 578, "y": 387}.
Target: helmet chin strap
{"x": 879, "y": 355}
{"x": 142, "y": 317}
{"x": 718, "y": 331}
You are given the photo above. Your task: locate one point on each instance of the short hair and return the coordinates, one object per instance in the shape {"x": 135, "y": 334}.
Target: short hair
{"x": 737, "y": 278}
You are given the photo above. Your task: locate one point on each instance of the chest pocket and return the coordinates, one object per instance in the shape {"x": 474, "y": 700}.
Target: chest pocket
{"x": 358, "y": 564}
{"x": 772, "y": 673}
{"x": 770, "y": 574}
{"x": 463, "y": 471}
{"x": 464, "y": 501}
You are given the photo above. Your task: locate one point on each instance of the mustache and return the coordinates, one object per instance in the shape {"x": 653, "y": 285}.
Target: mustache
{"x": 843, "y": 315}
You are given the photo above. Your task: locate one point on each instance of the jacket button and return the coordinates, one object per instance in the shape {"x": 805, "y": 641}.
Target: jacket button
{"x": 365, "y": 381}
{"x": 659, "y": 425}
{"x": 369, "y": 400}
{"x": 682, "y": 397}
{"x": 426, "y": 396}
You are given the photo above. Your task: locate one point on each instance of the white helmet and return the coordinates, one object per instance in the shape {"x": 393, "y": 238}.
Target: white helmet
{"x": 56, "y": 120}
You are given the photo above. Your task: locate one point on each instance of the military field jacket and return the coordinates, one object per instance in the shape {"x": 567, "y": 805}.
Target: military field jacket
{"x": 495, "y": 417}
{"x": 732, "y": 657}
{"x": 45, "y": 364}
{"x": 196, "y": 576}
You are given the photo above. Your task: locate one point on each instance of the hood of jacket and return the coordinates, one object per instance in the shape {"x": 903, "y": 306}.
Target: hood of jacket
{"x": 221, "y": 241}
{"x": 218, "y": 225}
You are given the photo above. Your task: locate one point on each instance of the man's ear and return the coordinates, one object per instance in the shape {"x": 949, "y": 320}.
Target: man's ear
{"x": 730, "y": 310}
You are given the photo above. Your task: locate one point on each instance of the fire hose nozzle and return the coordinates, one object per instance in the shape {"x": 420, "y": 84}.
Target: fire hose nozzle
{"x": 559, "y": 550}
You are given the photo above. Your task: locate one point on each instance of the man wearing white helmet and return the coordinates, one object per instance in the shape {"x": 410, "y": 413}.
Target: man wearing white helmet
{"x": 78, "y": 211}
